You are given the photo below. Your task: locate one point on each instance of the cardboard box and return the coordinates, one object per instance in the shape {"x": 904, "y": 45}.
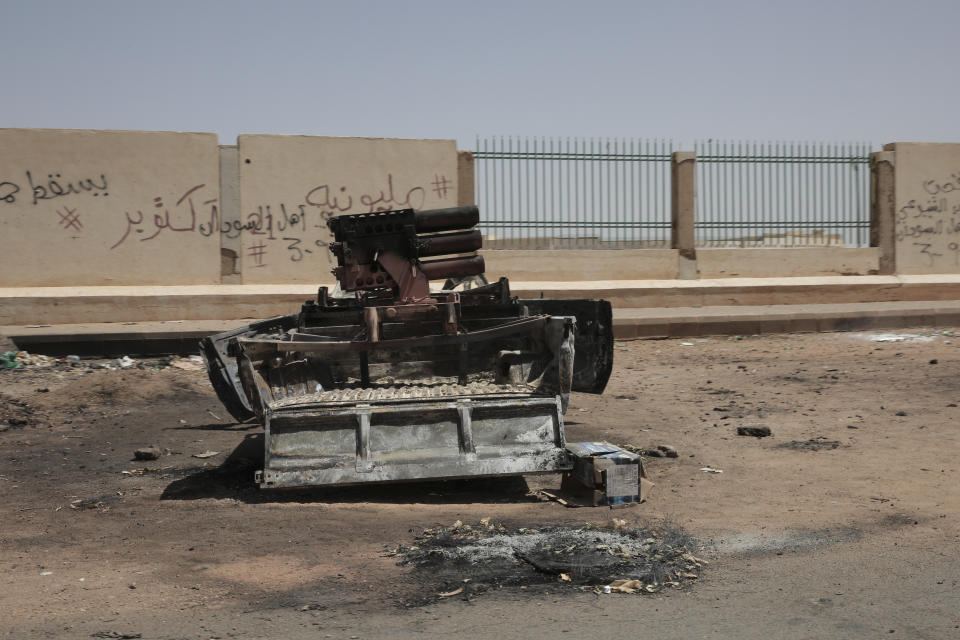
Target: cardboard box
{"x": 605, "y": 474}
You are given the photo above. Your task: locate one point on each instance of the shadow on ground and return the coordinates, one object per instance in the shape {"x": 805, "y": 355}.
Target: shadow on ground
{"x": 234, "y": 480}
{"x": 217, "y": 426}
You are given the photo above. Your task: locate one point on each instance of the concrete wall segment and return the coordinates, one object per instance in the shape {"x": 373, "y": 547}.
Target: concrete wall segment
{"x": 83, "y": 207}
{"x": 580, "y": 264}
{"x": 230, "y": 246}
{"x": 291, "y": 185}
{"x": 883, "y": 209}
{"x": 683, "y": 195}
{"x": 465, "y": 179}
{"x": 787, "y": 262}
{"x": 927, "y": 207}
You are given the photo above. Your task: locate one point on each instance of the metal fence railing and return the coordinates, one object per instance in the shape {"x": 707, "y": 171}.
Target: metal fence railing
{"x": 782, "y": 194}
{"x": 542, "y": 193}
{"x": 601, "y": 193}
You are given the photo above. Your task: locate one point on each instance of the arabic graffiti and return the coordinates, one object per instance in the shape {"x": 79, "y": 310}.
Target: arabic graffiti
{"x": 931, "y": 223}
{"x": 178, "y": 222}
{"x": 334, "y": 200}
{"x": 296, "y": 231}
{"x": 70, "y": 219}
{"x": 53, "y": 187}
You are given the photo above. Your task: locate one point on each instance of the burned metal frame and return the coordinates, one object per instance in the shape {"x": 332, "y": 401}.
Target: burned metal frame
{"x": 397, "y": 382}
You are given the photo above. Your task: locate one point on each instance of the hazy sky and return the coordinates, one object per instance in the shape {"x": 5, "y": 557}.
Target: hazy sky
{"x": 875, "y": 71}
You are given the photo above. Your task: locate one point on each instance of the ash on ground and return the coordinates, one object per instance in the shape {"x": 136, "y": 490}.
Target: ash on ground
{"x": 464, "y": 560}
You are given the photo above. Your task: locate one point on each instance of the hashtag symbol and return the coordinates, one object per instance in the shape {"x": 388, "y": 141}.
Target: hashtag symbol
{"x": 69, "y": 219}
{"x": 440, "y": 185}
{"x": 256, "y": 252}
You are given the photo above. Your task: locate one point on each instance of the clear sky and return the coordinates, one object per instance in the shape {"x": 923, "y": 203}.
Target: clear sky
{"x": 876, "y": 71}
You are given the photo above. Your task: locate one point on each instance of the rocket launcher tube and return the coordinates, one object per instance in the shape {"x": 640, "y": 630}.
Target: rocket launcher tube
{"x": 451, "y": 219}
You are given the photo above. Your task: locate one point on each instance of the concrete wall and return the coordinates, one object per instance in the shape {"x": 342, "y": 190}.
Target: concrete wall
{"x": 787, "y": 262}
{"x": 291, "y": 185}
{"x": 576, "y": 264}
{"x": 162, "y": 208}
{"x": 926, "y": 207}
{"x": 108, "y": 207}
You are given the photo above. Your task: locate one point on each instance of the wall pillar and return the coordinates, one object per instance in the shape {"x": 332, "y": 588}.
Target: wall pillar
{"x": 230, "y": 248}
{"x": 683, "y": 212}
{"x": 465, "y": 179}
{"x": 882, "y": 209}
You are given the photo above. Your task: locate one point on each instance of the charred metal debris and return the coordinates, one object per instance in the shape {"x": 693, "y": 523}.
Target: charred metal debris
{"x": 387, "y": 379}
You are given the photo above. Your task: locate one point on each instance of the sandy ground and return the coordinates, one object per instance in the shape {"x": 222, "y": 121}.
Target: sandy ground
{"x": 844, "y": 523}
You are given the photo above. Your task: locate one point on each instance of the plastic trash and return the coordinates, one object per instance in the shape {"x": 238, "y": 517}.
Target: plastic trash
{"x": 8, "y": 360}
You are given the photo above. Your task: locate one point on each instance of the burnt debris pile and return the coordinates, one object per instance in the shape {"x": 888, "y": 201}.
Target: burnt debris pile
{"x": 465, "y": 560}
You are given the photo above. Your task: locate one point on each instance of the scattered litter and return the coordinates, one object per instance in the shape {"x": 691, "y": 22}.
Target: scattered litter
{"x": 147, "y": 453}
{"x": 46, "y": 573}
{"x": 8, "y": 360}
{"x": 18, "y": 359}
{"x": 145, "y": 470}
{"x": 116, "y": 635}
{"x": 193, "y": 363}
{"x": 546, "y": 495}
{"x": 448, "y": 594}
{"x": 100, "y": 502}
{"x": 126, "y": 362}
{"x": 73, "y": 358}
{"x": 659, "y": 451}
{"x": 756, "y": 432}
{"x": 215, "y": 416}
{"x": 206, "y": 454}
{"x": 710, "y": 470}
{"x": 686, "y": 344}
{"x": 813, "y": 444}
{"x": 893, "y": 337}
{"x": 626, "y": 586}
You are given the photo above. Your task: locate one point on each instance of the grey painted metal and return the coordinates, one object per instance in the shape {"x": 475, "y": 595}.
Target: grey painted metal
{"x": 577, "y": 193}
{"x": 395, "y": 441}
{"x": 600, "y": 193}
{"x": 782, "y": 194}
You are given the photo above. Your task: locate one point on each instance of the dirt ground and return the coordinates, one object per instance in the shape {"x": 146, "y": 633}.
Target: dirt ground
{"x": 844, "y": 523}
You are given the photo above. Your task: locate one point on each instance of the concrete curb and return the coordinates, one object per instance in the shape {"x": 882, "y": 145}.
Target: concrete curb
{"x": 181, "y": 337}
{"x": 46, "y": 305}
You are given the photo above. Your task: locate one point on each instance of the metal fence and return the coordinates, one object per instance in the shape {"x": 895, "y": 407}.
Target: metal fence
{"x": 577, "y": 193}
{"x": 608, "y": 193}
{"x": 782, "y": 194}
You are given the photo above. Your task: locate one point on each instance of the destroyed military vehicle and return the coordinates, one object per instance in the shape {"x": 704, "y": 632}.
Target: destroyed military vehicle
{"x": 385, "y": 379}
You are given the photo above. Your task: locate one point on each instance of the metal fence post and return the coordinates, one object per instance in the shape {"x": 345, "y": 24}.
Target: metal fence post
{"x": 682, "y": 212}
{"x": 882, "y": 204}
